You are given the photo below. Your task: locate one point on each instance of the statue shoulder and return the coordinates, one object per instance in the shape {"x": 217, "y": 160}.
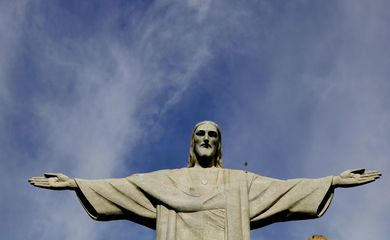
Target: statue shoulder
{"x": 239, "y": 171}
{"x": 159, "y": 174}
{"x": 241, "y": 174}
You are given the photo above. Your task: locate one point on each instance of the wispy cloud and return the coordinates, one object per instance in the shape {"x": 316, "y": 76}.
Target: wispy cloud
{"x": 323, "y": 110}
{"x": 91, "y": 91}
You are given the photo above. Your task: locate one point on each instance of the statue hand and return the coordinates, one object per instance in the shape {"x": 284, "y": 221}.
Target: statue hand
{"x": 355, "y": 177}
{"x": 54, "y": 181}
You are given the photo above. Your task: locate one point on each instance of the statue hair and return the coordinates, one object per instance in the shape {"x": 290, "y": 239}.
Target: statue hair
{"x": 192, "y": 156}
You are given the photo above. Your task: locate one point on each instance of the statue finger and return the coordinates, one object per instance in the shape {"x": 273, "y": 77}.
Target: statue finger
{"x": 371, "y": 175}
{"x": 374, "y": 172}
{"x": 41, "y": 184}
{"x": 366, "y": 180}
{"x": 38, "y": 182}
{"x": 38, "y": 179}
{"x": 377, "y": 177}
{"x": 368, "y": 175}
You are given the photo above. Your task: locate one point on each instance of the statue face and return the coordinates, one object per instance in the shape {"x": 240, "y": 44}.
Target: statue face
{"x": 206, "y": 141}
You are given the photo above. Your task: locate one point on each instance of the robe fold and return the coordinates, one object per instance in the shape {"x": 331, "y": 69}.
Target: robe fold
{"x": 226, "y": 209}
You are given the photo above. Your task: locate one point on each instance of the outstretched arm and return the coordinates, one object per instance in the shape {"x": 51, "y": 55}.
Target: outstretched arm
{"x": 355, "y": 177}
{"x": 54, "y": 181}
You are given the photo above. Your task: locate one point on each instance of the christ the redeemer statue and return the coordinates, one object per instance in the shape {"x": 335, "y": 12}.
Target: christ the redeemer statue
{"x": 205, "y": 201}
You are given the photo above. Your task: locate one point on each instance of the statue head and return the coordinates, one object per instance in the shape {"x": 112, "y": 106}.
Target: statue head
{"x": 206, "y": 145}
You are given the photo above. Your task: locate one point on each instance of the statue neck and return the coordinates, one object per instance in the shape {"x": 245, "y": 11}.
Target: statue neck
{"x": 204, "y": 162}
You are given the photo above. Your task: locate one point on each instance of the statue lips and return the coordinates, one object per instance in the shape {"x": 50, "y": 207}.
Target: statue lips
{"x": 205, "y": 145}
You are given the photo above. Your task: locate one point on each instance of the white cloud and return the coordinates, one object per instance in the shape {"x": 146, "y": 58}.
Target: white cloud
{"x": 202, "y": 6}
{"x": 94, "y": 90}
{"x": 325, "y": 109}
{"x": 10, "y": 20}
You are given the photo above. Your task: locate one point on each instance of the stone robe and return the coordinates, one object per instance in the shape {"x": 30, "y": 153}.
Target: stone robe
{"x": 223, "y": 204}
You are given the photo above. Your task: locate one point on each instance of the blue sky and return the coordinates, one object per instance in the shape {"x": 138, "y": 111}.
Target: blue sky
{"x": 100, "y": 89}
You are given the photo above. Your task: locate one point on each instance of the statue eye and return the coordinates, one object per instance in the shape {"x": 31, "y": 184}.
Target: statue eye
{"x": 200, "y": 133}
{"x": 213, "y": 134}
